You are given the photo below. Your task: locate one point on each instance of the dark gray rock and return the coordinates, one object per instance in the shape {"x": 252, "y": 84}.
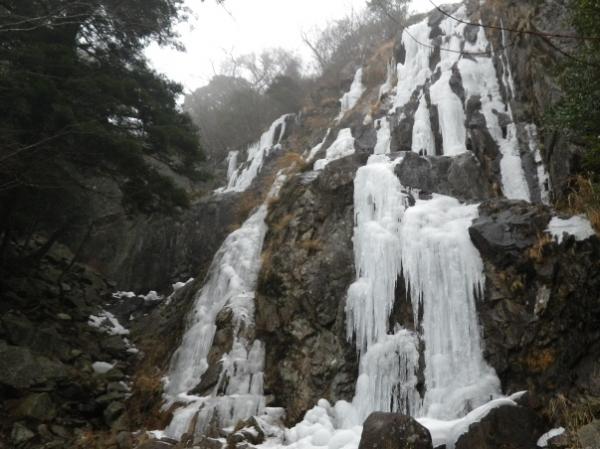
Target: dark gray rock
{"x": 393, "y": 431}
{"x": 22, "y": 369}
{"x": 505, "y": 427}
{"x": 461, "y": 176}
{"x": 20, "y": 434}
{"x": 113, "y": 412}
{"x": 37, "y": 406}
{"x": 308, "y": 265}
{"x": 505, "y": 228}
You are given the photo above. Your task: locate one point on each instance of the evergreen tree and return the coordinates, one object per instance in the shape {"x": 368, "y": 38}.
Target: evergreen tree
{"x": 79, "y": 101}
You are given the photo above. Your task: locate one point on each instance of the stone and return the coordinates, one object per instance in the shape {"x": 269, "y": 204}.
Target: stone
{"x": 113, "y": 412}
{"x": 124, "y": 440}
{"x": 20, "y": 434}
{"x": 506, "y": 228}
{"x": 461, "y": 176}
{"x": 505, "y": 427}
{"x": 589, "y": 435}
{"x": 393, "y": 431}
{"x": 37, "y": 406}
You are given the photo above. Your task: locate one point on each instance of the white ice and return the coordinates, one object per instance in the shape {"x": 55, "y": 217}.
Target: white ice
{"x": 415, "y": 71}
{"x": 422, "y": 136}
{"x": 107, "y": 322}
{"x": 444, "y": 273}
{"x": 102, "y": 367}
{"x": 242, "y": 178}
{"x": 384, "y": 137}
{"x": 479, "y": 78}
{"x": 342, "y": 146}
{"x": 543, "y": 440}
{"x": 313, "y": 152}
{"x": 350, "y": 98}
{"x": 578, "y": 226}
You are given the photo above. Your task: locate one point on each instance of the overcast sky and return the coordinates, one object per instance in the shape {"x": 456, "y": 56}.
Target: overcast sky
{"x": 244, "y": 26}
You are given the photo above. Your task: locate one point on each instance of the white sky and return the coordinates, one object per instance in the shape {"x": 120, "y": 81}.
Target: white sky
{"x": 244, "y": 26}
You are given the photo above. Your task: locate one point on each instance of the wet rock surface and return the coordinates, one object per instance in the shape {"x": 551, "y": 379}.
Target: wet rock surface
{"x": 393, "y": 431}
{"x": 307, "y": 268}
{"x": 541, "y": 308}
{"x": 505, "y": 427}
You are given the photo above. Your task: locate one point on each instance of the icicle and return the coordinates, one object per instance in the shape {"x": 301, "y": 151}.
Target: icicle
{"x": 444, "y": 272}
{"x": 379, "y": 204}
{"x": 383, "y": 136}
{"x": 422, "y": 137}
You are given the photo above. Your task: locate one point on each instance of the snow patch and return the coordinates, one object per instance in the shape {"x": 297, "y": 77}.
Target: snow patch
{"x": 577, "y": 226}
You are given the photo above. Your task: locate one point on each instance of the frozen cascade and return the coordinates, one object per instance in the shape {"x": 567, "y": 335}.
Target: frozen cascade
{"x": 415, "y": 71}
{"x": 350, "y": 98}
{"x": 387, "y": 379}
{"x": 379, "y": 205}
{"x": 422, "y": 136}
{"x": 242, "y": 178}
{"x": 232, "y": 162}
{"x": 383, "y": 136}
{"x": 342, "y": 146}
{"x": 444, "y": 273}
{"x": 479, "y": 79}
{"x": 230, "y": 284}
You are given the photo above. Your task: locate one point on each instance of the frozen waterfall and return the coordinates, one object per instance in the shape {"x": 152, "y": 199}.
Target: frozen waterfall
{"x": 230, "y": 284}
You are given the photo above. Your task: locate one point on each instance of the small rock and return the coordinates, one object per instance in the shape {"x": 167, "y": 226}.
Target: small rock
{"x": 21, "y": 434}
{"x": 37, "y": 406}
{"x": 508, "y": 426}
{"x": 60, "y": 431}
{"x": 64, "y": 316}
{"x": 393, "y": 431}
{"x": 113, "y": 412}
{"x": 589, "y": 435}
{"x": 124, "y": 440}
{"x": 65, "y": 287}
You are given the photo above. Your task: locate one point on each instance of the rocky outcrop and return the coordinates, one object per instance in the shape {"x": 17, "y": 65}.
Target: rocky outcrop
{"x": 505, "y": 427}
{"x": 541, "y": 309}
{"x": 393, "y": 431}
{"x": 151, "y": 253}
{"x": 307, "y": 268}
{"x": 461, "y": 177}
{"x": 62, "y": 379}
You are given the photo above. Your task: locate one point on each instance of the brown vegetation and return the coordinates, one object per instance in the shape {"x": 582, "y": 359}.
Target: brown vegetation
{"x": 584, "y": 198}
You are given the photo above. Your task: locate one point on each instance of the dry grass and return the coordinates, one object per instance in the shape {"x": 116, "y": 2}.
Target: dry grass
{"x": 584, "y": 198}
{"x": 571, "y": 416}
{"x": 282, "y": 223}
{"x": 377, "y": 66}
{"x": 536, "y": 252}
{"x": 291, "y": 162}
{"x": 312, "y": 246}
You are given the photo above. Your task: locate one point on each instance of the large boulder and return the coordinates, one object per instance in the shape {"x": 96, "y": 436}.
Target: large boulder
{"x": 22, "y": 369}
{"x": 393, "y": 431}
{"x": 461, "y": 176}
{"x": 505, "y": 427}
